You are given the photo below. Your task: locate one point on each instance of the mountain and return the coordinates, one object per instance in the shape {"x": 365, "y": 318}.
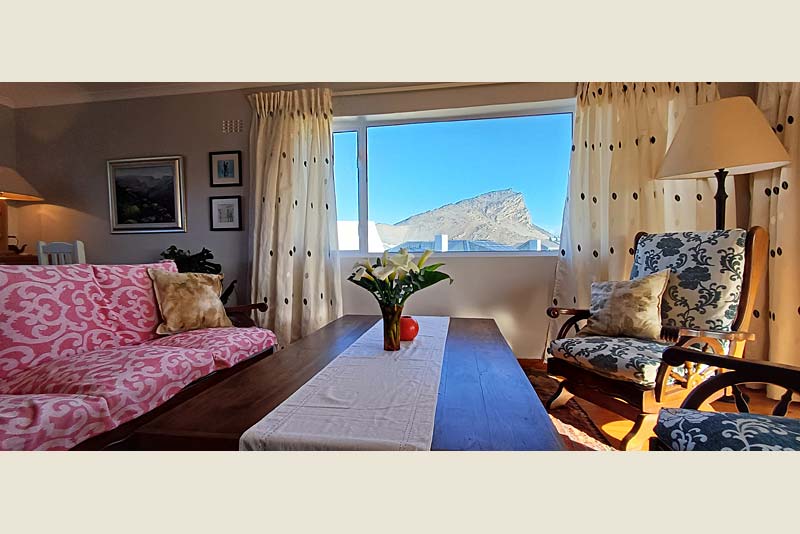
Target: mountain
{"x": 499, "y": 216}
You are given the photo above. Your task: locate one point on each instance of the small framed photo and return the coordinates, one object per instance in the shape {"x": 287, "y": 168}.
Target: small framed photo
{"x": 146, "y": 195}
{"x": 225, "y": 168}
{"x": 226, "y": 213}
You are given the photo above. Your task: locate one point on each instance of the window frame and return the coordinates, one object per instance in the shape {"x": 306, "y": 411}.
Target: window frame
{"x": 359, "y": 125}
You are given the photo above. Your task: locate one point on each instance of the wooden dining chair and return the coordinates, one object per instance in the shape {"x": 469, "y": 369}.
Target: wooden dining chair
{"x": 60, "y": 253}
{"x": 707, "y": 304}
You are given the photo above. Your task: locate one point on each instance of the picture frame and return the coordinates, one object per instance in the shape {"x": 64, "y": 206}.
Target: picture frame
{"x": 146, "y": 195}
{"x": 225, "y": 213}
{"x": 225, "y": 168}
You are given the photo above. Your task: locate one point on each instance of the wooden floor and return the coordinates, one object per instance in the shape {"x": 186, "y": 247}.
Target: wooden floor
{"x": 615, "y": 427}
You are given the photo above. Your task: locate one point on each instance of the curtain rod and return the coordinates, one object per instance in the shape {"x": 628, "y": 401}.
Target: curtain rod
{"x": 408, "y": 88}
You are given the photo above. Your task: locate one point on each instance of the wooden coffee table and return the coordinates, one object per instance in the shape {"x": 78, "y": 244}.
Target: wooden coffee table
{"x": 485, "y": 400}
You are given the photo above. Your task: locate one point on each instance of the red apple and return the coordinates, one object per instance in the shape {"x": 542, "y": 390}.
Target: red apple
{"x": 409, "y": 328}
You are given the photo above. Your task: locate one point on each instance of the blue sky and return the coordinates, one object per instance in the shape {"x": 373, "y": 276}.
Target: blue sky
{"x": 419, "y": 167}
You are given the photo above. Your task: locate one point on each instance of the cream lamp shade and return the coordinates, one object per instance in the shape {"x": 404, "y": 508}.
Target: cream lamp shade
{"x": 726, "y": 136}
{"x": 15, "y": 187}
{"x": 730, "y": 134}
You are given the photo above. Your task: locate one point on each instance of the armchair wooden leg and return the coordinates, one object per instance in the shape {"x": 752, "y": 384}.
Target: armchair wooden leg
{"x": 559, "y": 398}
{"x": 637, "y": 438}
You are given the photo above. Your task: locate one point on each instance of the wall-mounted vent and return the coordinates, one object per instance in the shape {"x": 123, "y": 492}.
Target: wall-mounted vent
{"x": 232, "y": 126}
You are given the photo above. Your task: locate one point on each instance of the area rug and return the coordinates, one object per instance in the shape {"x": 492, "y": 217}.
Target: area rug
{"x": 577, "y": 430}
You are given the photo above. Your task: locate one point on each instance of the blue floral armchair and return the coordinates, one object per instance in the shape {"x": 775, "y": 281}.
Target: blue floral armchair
{"x": 688, "y": 429}
{"x": 707, "y": 304}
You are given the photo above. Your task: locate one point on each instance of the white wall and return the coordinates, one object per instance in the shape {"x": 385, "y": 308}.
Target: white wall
{"x": 514, "y": 291}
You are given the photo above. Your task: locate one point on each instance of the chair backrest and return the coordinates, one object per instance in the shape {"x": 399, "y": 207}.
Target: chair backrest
{"x": 714, "y": 276}
{"x": 60, "y": 253}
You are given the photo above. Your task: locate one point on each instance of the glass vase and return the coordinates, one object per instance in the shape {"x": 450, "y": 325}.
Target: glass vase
{"x": 391, "y": 326}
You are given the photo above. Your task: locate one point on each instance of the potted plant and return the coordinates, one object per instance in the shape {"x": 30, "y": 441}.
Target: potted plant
{"x": 197, "y": 263}
{"x": 391, "y": 280}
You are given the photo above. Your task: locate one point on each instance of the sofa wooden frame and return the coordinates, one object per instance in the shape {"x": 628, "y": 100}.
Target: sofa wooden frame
{"x": 740, "y": 372}
{"x": 639, "y": 403}
{"x": 119, "y": 438}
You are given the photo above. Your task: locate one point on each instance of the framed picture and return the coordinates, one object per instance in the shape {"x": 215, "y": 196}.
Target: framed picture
{"x": 146, "y": 195}
{"x": 226, "y": 168}
{"x": 226, "y": 213}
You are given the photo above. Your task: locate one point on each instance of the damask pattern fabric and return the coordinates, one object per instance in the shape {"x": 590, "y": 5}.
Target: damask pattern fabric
{"x": 775, "y": 205}
{"x": 132, "y": 380}
{"x": 707, "y": 269}
{"x": 621, "y": 358}
{"x": 628, "y": 309}
{"x": 188, "y": 301}
{"x": 691, "y": 430}
{"x": 50, "y": 422}
{"x": 228, "y": 346}
{"x": 622, "y": 131}
{"x": 295, "y": 260}
{"x": 130, "y": 300}
{"x": 64, "y": 374}
{"x": 49, "y": 311}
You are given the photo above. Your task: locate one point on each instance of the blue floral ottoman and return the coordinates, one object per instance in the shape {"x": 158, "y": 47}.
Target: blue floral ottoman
{"x": 692, "y": 430}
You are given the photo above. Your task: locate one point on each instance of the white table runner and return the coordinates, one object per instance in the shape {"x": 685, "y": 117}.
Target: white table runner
{"x": 365, "y": 399}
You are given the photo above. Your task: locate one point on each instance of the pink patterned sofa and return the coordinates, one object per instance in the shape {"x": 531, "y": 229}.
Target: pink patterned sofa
{"x": 79, "y": 355}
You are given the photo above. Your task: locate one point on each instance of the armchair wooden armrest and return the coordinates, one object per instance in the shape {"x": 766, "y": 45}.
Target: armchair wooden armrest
{"x": 676, "y": 356}
{"x": 740, "y": 372}
{"x": 555, "y": 312}
{"x": 242, "y": 316}
{"x": 575, "y": 315}
{"x": 676, "y": 333}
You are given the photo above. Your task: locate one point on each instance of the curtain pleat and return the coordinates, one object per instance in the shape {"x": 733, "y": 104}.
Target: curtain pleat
{"x": 775, "y": 205}
{"x": 295, "y": 261}
{"x": 621, "y": 134}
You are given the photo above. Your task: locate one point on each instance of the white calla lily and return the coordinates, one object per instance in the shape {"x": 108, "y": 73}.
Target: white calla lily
{"x": 358, "y": 272}
{"x": 424, "y": 258}
{"x": 382, "y": 272}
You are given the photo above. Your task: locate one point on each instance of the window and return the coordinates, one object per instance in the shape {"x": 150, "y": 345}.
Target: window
{"x": 490, "y": 180}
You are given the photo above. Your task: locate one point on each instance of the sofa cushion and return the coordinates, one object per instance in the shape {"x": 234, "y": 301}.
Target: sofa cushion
{"x": 692, "y": 430}
{"x": 48, "y": 311}
{"x": 629, "y": 308}
{"x": 229, "y": 346}
{"x": 50, "y": 422}
{"x": 132, "y": 380}
{"x": 188, "y": 301}
{"x": 621, "y": 358}
{"x": 706, "y": 280}
{"x": 131, "y": 302}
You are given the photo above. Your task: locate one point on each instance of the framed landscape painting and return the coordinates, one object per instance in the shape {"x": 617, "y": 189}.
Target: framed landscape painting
{"x": 226, "y": 168}
{"x": 146, "y": 195}
{"x": 226, "y": 213}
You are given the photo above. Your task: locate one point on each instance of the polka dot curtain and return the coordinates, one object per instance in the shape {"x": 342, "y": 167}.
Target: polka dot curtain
{"x": 295, "y": 263}
{"x": 775, "y": 205}
{"x": 622, "y": 131}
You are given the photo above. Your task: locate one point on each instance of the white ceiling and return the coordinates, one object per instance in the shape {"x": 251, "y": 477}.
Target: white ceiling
{"x": 34, "y": 94}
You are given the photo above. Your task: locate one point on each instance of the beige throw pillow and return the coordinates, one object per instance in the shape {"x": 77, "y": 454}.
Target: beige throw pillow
{"x": 630, "y": 308}
{"x": 188, "y": 301}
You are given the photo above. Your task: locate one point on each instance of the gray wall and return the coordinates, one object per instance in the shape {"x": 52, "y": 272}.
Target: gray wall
{"x": 8, "y": 146}
{"x": 62, "y": 151}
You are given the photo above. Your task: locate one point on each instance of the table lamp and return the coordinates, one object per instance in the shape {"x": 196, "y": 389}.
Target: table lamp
{"x": 12, "y": 187}
{"x": 728, "y": 136}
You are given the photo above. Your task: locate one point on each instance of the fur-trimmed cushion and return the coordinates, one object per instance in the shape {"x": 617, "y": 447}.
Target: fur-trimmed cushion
{"x": 188, "y": 301}
{"x": 630, "y": 308}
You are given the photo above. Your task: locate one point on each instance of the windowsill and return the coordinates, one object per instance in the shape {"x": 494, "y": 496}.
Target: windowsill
{"x": 498, "y": 254}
